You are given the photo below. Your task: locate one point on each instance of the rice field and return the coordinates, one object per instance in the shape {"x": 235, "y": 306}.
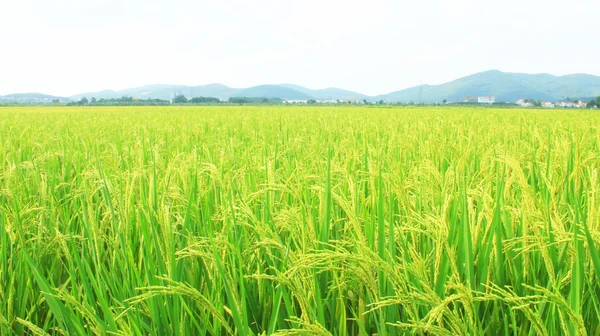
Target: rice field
{"x": 299, "y": 221}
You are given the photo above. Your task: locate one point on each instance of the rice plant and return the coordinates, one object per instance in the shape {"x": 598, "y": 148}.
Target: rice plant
{"x": 299, "y": 221}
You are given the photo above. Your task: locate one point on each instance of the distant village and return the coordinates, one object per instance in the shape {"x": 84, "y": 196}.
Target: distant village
{"x": 323, "y": 101}
{"x": 546, "y": 104}
{"x": 569, "y": 103}
{"x": 468, "y": 100}
{"x": 528, "y": 103}
{"x": 178, "y": 98}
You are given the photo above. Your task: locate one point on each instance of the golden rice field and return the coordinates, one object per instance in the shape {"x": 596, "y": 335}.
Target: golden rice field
{"x": 299, "y": 221}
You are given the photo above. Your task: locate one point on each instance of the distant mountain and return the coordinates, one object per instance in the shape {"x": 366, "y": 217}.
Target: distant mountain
{"x": 505, "y": 86}
{"x": 220, "y": 91}
{"x": 272, "y": 91}
{"x": 329, "y": 93}
{"x": 31, "y": 97}
{"x": 163, "y": 91}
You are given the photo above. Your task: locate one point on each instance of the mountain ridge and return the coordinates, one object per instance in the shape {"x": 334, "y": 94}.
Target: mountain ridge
{"x": 505, "y": 86}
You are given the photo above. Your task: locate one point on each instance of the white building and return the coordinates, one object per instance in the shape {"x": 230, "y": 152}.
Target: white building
{"x": 480, "y": 99}
{"x": 522, "y": 103}
{"x": 566, "y": 104}
{"x": 548, "y": 104}
{"x": 486, "y": 99}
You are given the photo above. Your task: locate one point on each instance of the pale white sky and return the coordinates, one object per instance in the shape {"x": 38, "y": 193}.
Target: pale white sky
{"x": 64, "y": 47}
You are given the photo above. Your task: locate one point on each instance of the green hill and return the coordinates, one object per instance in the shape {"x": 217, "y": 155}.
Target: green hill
{"x": 31, "y": 97}
{"x": 328, "y": 93}
{"x": 272, "y": 91}
{"x": 504, "y": 86}
{"x": 163, "y": 91}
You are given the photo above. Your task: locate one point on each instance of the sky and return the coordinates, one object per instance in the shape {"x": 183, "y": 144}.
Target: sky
{"x": 65, "y": 47}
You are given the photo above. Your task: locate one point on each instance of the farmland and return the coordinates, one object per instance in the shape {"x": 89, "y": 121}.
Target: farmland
{"x": 299, "y": 221}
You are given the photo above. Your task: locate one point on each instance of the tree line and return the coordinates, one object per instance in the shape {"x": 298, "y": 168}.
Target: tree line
{"x": 594, "y": 103}
{"x": 233, "y": 100}
{"x": 123, "y": 101}
{"x": 178, "y": 100}
{"x": 183, "y": 100}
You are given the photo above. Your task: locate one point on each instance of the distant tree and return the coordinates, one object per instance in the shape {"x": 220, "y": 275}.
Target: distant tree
{"x": 55, "y": 101}
{"x": 238, "y": 100}
{"x": 83, "y": 101}
{"x": 380, "y": 102}
{"x": 311, "y": 101}
{"x": 444, "y": 101}
{"x": 181, "y": 99}
{"x": 364, "y": 101}
{"x": 598, "y": 101}
{"x": 592, "y": 103}
{"x": 205, "y": 100}
{"x": 93, "y": 101}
